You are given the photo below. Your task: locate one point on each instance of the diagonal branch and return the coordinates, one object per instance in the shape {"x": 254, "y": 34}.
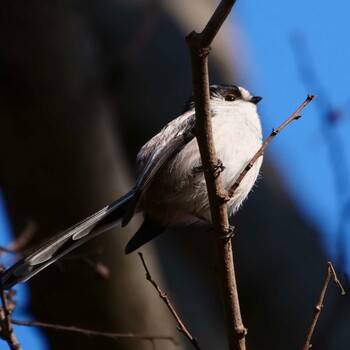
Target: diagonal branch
{"x": 216, "y": 21}
{"x": 181, "y": 327}
{"x": 319, "y": 306}
{"x": 296, "y": 115}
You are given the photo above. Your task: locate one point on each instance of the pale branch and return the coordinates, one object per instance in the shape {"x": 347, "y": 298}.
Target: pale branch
{"x": 181, "y": 327}
{"x": 296, "y": 115}
{"x": 319, "y": 306}
{"x": 21, "y": 242}
{"x": 89, "y": 332}
{"x": 6, "y": 250}
{"x": 99, "y": 268}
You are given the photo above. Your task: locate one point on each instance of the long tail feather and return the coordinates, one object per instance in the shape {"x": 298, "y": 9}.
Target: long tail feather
{"x": 65, "y": 242}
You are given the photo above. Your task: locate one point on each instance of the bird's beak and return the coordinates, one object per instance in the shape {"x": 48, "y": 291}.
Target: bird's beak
{"x": 256, "y": 99}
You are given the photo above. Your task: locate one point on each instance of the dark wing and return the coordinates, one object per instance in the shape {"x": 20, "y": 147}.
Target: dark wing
{"x": 148, "y": 230}
{"x": 65, "y": 242}
{"x": 162, "y": 153}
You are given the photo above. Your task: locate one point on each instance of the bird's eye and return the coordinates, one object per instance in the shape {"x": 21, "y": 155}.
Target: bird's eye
{"x": 230, "y": 97}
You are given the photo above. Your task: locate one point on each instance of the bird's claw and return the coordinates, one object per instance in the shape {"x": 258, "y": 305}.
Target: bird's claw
{"x": 216, "y": 169}
{"x": 229, "y": 234}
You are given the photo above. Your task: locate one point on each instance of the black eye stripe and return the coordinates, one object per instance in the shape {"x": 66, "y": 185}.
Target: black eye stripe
{"x": 224, "y": 90}
{"x": 218, "y": 91}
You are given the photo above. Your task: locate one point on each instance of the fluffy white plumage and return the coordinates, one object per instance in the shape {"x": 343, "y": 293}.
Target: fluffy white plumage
{"x": 169, "y": 189}
{"x": 237, "y": 136}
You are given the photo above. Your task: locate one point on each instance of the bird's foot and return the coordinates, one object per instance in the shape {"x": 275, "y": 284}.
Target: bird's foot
{"x": 229, "y": 234}
{"x": 216, "y": 169}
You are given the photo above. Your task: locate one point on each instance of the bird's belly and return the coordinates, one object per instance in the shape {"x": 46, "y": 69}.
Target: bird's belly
{"x": 179, "y": 194}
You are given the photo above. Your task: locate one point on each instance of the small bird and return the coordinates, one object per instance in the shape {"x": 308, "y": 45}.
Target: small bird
{"x": 170, "y": 189}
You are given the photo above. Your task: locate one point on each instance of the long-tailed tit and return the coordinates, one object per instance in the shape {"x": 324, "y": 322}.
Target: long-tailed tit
{"x": 170, "y": 187}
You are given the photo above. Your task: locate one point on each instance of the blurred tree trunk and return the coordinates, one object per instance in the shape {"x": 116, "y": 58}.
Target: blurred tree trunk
{"x": 61, "y": 160}
{"x": 80, "y": 86}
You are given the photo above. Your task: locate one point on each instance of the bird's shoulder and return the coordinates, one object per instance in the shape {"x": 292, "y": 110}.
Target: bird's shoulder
{"x": 175, "y": 128}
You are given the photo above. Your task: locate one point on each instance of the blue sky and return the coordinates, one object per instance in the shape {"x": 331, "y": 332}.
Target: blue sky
{"x": 29, "y": 338}
{"x": 312, "y": 155}
{"x": 297, "y": 48}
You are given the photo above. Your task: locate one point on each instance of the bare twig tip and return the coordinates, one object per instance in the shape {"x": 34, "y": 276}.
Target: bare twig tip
{"x": 318, "y": 308}
{"x": 335, "y": 278}
{"x": 163, "y": 295}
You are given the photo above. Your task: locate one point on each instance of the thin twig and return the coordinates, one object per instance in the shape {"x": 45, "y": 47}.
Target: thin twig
{"x": 22, "y": 240}
{"x": 89, "y": 332}
{"x": 6, "y": 329}
{"x": 6, "y": 250}
{"x": 181, "y": 327}
{"x": 99, "y": 268}
{"x": 216, "y": 21}
{"x": 296, "y": 115}
{"x": 319, "y": 306}
{"x": 335, "y": 279}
